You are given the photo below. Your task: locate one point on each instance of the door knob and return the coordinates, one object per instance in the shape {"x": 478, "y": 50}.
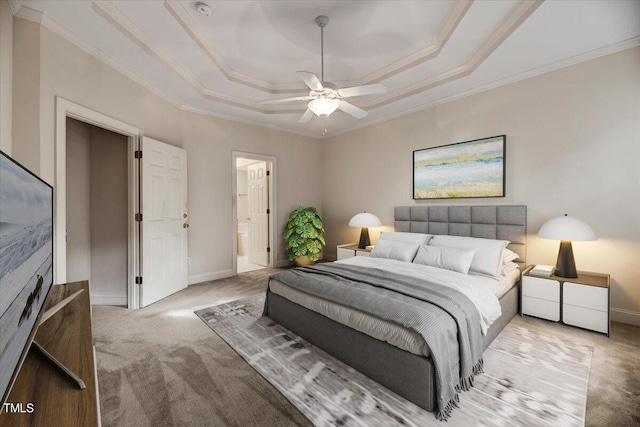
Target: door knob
{"x": 185, "y": 225}
{"x": 184, "y": 215}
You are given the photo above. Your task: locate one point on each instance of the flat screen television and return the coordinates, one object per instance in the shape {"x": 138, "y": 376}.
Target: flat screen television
{"x": 26, "y": 263}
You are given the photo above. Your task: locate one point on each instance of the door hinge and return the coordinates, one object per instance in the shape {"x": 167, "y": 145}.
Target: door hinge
{"x": 268, "y": 173}
{"x": 268, "y": 211}
{"x": 268, "y": 249}
{"x": 138, "y": 280}
{"x": 139, "y": 217}
{"x": 138, "y": 154}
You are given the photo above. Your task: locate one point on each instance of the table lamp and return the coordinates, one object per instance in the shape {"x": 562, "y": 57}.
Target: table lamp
{"x": 364, "y": 220}
{"x": 566, "y": 229}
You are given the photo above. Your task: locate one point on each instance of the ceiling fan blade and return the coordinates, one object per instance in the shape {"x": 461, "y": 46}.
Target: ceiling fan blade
{"x": 277, "y": 101}
{"x": 373, "y": 89}
{"x": 351, "y": 109}
{"x": 311, "y": 80}
{"x": 306, "y": 116}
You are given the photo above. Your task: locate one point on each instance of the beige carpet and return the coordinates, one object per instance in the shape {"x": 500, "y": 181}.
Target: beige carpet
{"x": 162, "y": 366}
{"x": 529, "y": 378}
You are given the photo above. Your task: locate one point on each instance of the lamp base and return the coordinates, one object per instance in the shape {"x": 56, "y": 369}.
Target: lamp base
{"x": 364, "y": 238}
{"x": 566, "y": 264}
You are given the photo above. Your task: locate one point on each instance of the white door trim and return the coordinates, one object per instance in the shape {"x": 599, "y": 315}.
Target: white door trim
{"x": 64, "y": 109}
{"x": 273, "y": 202}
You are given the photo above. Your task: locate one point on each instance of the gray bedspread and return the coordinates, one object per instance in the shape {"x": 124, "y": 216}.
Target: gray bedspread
{"x": 445, "y": 318}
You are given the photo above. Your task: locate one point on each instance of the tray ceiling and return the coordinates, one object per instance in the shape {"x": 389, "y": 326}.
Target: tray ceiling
{"x": 425, "y": 52}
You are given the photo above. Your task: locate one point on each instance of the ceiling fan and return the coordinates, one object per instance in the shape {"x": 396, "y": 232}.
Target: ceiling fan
{"x": 324, "y": 97}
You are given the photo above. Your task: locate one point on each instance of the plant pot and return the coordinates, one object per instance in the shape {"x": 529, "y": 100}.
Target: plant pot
{"x": 303, "y": 261}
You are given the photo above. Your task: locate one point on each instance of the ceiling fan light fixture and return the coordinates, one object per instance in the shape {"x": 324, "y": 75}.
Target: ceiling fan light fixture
{"x": 323, "y": 107}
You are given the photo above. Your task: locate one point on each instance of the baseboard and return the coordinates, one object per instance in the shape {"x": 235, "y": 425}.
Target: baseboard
{"x": 120, "y": 300}
{"x": 209, "y": 276}
{"x": 625, "y": 316}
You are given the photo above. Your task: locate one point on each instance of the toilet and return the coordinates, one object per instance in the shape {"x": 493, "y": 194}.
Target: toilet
{"x": 243, "y": 239}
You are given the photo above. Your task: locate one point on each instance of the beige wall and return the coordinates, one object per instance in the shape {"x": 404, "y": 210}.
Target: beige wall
{"x": 573, "y": 144}
{"x": 6, "y": 75}
{"x": 109, "y": 218}
{"x": 78, "y": 202}
{"x": 25, "y": 145}
{"x": 65, "y": 70}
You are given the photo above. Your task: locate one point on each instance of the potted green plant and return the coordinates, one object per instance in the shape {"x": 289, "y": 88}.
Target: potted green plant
{"x": 305, "y": 236}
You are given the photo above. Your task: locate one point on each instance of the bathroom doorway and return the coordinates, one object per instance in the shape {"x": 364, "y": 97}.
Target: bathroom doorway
{"x": 253, "y": 212}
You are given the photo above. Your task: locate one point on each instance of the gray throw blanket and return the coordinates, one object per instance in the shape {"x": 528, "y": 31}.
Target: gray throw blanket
{"x": 445, "y": 318}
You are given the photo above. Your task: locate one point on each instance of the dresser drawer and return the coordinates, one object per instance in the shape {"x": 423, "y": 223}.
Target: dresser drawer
{"x": 586, "y": 296}
{"x": 544, "y": 309}
{"x": 594, "y": 320}
{"x": 541, "y": 288}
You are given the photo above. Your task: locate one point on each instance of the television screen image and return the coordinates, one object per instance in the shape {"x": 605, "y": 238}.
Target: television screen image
{"x": 26, "y": 262}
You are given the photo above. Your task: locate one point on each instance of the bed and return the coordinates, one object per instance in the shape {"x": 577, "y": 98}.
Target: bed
{"x": 409, "y": 372}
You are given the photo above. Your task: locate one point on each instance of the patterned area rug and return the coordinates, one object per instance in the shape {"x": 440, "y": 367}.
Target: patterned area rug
{"x": 530, "y": 378}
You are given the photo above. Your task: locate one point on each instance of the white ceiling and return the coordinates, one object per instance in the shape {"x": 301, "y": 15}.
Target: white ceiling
{"x": 425, "y": 52}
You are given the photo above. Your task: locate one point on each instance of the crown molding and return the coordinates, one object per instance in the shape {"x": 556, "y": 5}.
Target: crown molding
{"x": 521, "y": 12}
{"x": 24, "y": 12}
{"x": 451, "y": 23}
{"x": 15, "y": 6}
{"x": 574, "y": 60}
{"x": 120, "y": 22}
{"x": 27, "y": 13}
{"x": 248, "y": 122}
{"x": 72, "y": 38}
{"x": 192, "y": 28}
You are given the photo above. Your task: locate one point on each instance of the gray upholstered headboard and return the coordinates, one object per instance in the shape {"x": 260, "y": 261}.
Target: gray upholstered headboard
{"x": 489, "y": 222}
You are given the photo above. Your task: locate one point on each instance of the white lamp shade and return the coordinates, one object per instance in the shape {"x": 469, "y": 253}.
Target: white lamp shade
{"x": 365, "y": 219}
{"x": 323, "y": 107}
{"x": 566, "y": 228}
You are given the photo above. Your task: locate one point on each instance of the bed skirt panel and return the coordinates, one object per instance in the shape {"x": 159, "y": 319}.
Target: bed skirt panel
{"x": 409, "y": 375}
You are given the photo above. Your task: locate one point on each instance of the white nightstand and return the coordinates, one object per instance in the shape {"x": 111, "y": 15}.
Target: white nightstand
{"x": 583, "y": 301}
{"x": 541, "y": 297}
{"x": 350, "y": 250}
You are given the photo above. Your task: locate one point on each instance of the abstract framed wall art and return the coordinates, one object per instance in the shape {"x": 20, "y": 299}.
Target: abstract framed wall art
{"x": 466, "y": 169}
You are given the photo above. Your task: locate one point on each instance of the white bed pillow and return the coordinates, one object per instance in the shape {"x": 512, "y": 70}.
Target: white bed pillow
{"x": 509, "y": 267}
{"x": 488, "y": 257}
{"x": 398, "y": 236}
{"x": 448, "y": 258}
{"x": 509, "y": 256}
{"x": 389, "y": 249}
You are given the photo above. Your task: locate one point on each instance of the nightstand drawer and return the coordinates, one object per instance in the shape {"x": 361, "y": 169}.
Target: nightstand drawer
{"x": 586, "y": 296}
{"x": 541, "y": 308}
{"x": 344, "y": 253}
{"x": 536, "y": 287}
{"x": 362, "y": 253}
{"x": 585, "y": 318}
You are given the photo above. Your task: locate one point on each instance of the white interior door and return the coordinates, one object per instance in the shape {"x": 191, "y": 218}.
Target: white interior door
{"x": 164, "y": 220}
{"x": 258, "y": 217}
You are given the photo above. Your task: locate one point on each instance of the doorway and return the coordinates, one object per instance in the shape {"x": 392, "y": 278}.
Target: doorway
{"x": 97, "y": 211}
{"x": 65, "y": 109}
{"x": 253, "y": 211}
